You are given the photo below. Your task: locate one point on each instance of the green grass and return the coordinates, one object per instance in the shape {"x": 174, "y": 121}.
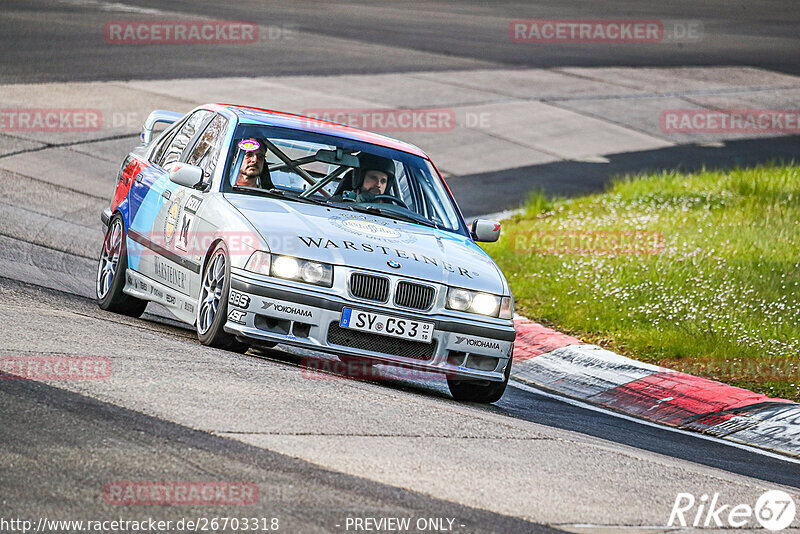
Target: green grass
{"x": 720, "y": 296}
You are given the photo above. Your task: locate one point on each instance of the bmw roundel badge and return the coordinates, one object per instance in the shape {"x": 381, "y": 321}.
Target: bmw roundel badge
{"x": 393, "y": 264}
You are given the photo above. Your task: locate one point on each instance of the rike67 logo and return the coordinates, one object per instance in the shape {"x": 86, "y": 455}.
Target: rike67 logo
{"x": 774, "y": 510}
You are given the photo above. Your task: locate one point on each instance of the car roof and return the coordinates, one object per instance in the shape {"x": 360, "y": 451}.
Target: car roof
{"x": 251, "y": 115}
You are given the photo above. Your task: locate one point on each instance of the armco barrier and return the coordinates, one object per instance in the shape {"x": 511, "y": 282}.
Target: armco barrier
{"x": 548, "y": 359}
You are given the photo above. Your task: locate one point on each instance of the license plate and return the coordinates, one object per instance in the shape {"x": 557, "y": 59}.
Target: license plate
{"x": 386, "y": 325}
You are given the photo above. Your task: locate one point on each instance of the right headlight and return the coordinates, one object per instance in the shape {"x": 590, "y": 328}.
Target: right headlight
{"x": 459, "y": 299}
{"x": 291, "y": 268}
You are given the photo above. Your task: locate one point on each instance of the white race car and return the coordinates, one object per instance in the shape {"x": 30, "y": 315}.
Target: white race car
{"x": 261, "y": 227}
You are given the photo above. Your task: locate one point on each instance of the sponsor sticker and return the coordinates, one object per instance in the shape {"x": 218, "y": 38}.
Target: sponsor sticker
{"x": 182, "y": 243}
{"x": 193, "y": 204}
{"x": 172, "y": 215}
{"x": 237, "y": 316}
{"x": 478, "y": 343}
{"x": 239, "y": 299}
{"x": 289, "y": 309}
{"x": 372, "y": 228}
{"x": 249, "y": 145}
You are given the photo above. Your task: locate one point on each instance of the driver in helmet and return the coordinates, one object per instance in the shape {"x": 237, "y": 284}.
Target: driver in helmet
{"x": 254, "y": 171}
{"x": 373, "y": 177}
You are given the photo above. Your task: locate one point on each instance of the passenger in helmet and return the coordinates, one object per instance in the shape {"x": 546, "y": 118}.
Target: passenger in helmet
{"x": 374, "y": 176}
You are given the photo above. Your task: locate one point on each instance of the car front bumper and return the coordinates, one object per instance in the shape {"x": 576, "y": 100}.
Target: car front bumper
{"x": 259, "y": 310}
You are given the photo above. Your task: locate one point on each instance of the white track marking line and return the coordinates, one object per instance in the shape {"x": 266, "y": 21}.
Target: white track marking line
{"x": 581, "y": 404}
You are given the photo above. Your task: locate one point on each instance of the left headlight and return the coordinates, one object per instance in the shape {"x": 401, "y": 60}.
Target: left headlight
{"x": 481, "y": 303}
{"x": 291, "y": 268}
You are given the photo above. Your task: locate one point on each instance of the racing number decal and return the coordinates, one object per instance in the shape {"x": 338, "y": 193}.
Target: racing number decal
{"x": 183, "y": 234}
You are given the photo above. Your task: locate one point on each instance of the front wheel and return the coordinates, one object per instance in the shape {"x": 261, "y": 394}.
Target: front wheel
{"x": 212, "y": 306}
{"x": 111, "y": 271}
{"x": 482, "y": 391}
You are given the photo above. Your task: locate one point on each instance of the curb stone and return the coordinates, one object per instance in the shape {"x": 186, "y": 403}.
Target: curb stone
{"x": 563, "y": 364}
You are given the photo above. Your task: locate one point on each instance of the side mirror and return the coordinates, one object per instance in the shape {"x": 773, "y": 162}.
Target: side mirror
{"x": 186, "y": 175}
{"x": 485, "y": 230}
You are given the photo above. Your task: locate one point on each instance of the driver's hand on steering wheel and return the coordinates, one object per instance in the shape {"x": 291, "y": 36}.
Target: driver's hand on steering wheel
{"x": 365, "y": 196}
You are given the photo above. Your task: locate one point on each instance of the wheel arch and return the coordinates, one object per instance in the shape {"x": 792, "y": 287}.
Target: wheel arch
{"x": 210, "y": 251}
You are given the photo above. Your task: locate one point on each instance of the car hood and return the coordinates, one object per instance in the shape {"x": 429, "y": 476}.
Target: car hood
{"x": 370, "y": 242}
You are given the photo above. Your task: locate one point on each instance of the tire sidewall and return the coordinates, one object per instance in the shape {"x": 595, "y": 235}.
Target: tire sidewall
{"x": 114, "y": 293}
{"x": 216, "y": 335}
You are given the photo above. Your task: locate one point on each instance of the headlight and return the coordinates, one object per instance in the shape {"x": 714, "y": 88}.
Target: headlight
{"x": 258, "y": 262}
{"x": 459, "y": 299}
{"x": 310, "y": 272}
{"x": 475, "y": 302}
{"x": 291, "y": 268}
{"x": 285, "y": 267}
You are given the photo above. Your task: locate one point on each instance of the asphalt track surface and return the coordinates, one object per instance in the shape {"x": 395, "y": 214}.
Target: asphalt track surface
{"x": 60, "y": 443}
{"x": 63, "y": 40}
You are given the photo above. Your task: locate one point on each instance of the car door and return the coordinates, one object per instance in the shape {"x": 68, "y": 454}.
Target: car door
{"x": 156, "y": 206}
{"x": 193, "y": 234}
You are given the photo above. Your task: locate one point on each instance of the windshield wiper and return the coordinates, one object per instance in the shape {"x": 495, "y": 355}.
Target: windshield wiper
{"x": 395, "y": 215}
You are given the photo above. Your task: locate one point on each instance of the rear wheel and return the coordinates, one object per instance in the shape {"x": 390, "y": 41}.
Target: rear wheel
{"x": 212, "y": 306}
{"x": 484, "y": 391}
{"x": 111, "y": 271}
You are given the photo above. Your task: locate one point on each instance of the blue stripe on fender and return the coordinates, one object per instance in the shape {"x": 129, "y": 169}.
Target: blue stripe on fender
{"x": 145, "y": 201}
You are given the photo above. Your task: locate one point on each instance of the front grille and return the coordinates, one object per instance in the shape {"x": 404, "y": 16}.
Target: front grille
{"x": 369, "y": 287}
{"x": 415, "y": 296}
{"x": 404, "y": 348}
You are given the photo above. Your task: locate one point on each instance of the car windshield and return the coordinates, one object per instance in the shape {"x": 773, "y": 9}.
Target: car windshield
{"x": 308, "y": 167}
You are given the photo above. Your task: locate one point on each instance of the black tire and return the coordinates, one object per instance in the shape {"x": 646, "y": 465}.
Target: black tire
{"x": 482, "y": 391}
{"x": 111, "y": 269}
{"x": 212, "y": 303}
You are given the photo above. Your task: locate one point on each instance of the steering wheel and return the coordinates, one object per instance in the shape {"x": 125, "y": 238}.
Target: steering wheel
{"x": 390, "y": 198}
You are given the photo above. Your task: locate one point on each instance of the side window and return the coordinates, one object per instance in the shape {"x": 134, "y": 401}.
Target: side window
{"x": 206, "y": 153}
{"x": 175, "y": 148}
{"x": 164, "y": 141}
